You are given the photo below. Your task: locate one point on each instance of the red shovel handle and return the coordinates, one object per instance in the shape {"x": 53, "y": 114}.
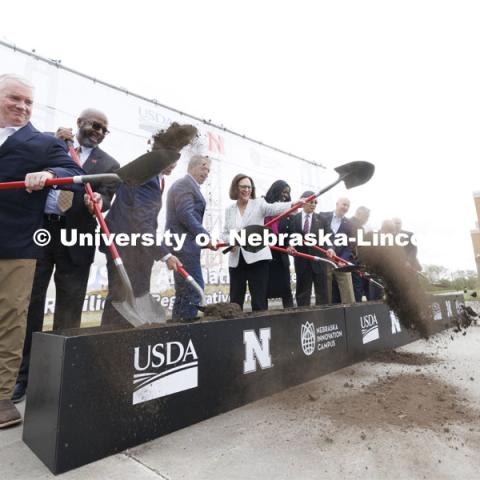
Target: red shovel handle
{"x": 334, "y": 257}
{"x": 48, "y": 183}
{"x": 294, "y": 253}
{"x": 98, "y": 213}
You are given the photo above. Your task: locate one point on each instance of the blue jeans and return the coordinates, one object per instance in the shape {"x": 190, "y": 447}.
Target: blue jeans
{"x": 186, "y": 297}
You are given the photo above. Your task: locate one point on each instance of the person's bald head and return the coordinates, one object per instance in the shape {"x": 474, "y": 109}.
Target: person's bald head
{"x": 342, "y": 206}
{"x": 92, "y": 127}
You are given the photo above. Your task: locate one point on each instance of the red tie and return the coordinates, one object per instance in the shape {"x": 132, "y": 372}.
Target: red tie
{"x": 306, "y": 225}
{"x": 162, "y": 184}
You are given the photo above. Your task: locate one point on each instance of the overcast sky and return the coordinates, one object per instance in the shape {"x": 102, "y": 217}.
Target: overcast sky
{"x": 394, "y": 83}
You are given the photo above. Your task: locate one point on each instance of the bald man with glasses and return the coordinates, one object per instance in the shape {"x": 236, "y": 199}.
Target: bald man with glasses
{"x": 70, "y": 266}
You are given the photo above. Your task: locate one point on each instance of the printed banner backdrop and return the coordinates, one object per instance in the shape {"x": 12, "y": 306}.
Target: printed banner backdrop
{"x": 61, "y": 94}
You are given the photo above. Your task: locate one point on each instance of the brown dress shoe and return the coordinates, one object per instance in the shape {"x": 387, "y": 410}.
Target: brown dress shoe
{"x": 9, "y": 415}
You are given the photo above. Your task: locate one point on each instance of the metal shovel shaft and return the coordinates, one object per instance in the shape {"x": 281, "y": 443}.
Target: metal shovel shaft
{"x": 312, "y": 258}
{"x": 193, "y": 283}
{"x": 129, "y": 312}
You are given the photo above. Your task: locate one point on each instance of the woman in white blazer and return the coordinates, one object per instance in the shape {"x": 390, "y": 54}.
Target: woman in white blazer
{"x": 247, "y": 267}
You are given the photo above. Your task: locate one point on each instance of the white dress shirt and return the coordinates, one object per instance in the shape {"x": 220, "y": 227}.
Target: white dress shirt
{"x": 5, "y": 132}
{"x": 336, "y": 222}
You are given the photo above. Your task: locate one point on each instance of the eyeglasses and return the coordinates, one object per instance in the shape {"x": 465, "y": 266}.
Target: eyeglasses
{"x": 99, "y": 127}
{"x": 244, "y": 187}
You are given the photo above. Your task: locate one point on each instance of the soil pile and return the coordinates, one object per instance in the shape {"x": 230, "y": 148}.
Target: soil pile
{"x": 405, "y": 400}
{"x": 402, "y": 358}
{"x": 222, "y": 310}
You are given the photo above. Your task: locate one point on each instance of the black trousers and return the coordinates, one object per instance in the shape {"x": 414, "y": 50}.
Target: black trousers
{"x": 305, "y": 280}
{"x": 256, "y": 275}
{"x": 70, "y": 288}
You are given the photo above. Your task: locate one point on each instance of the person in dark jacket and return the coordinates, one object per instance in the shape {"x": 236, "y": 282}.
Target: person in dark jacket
{"x": 25, "y": 154}
{"x": 135, "y": 210}
{"x": 279, "y": 267}
{"x": 310, "y": 273}
{"x": 185, "y": 209}
{"x": 74, "y": 215}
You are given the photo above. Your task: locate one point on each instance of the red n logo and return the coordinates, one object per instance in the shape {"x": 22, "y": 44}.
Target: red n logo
{"x": 216, "y": 143}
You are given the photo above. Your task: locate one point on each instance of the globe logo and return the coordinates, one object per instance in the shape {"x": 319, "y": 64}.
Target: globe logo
{"x": 308, "y": 338}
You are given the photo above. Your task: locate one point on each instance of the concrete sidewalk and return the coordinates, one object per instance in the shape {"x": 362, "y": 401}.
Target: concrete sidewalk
{"x": 407, "y": 416}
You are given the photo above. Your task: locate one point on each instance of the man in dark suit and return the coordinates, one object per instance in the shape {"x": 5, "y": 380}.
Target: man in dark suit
{"x": 71, "y": 264}
{"x": 23, "y": 149}
{"x": 341, "y": 282}
{"x": 309, "y": 272}
{"x": 135, "y": 210}
{"x": 185, "y": 209}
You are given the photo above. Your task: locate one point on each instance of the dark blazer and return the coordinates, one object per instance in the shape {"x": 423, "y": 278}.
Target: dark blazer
{"x": 296, "y": 227}
{"x": 284, "y": 226}
{"x": 21, "y": 213}
{"x": 344, "y": 252}
{"x": 78, "y": 215}
{"x": 185, "y": 209}
{"x": 135, "y": 210}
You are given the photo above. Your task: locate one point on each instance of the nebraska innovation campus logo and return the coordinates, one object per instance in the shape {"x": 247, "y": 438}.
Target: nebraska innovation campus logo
{"x": 164, "y": 369}
{"x": 317, "y": 338}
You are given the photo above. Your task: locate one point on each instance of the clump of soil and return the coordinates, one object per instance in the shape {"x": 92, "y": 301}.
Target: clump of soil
{"x": 406, "y": 400}
{"x": 402, "y": 358}
{"x": 403, "y": 291}
{"x": 222, "y": 310}
{"x": 175, "y": 137}
{"x": 467, "y": 317}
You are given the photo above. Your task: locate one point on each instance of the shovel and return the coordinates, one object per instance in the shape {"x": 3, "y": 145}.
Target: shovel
{"x": 313, "y": 258}
{"x": 347, "y": 267}
{"x": 351, "y": 174}
{"x": 140, "y": 310}
{"x": 195, "y": 285}
{"x": 134, "y": 173}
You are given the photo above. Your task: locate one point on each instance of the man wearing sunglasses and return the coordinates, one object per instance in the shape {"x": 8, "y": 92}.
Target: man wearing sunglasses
{"x": 71, "y": 264}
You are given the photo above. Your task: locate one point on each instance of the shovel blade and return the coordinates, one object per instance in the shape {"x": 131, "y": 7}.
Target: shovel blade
{"x": 147, "y": 166}
{"x": 356, "y": 173}
{"x": 146, "y": 310}
{"x": 257, "y": 230}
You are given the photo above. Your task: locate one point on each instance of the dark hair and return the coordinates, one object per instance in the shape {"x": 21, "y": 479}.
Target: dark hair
{"x": 274, "y": 193}
{"x": 234, "y": 190}
{"x": 307, "y": 193}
